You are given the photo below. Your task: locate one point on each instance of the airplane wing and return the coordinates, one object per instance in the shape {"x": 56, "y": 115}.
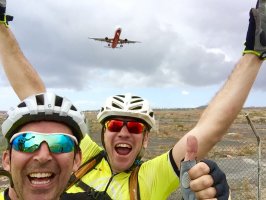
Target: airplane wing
{"x": 126, "y": 41}
{"x": 106, "y": 39}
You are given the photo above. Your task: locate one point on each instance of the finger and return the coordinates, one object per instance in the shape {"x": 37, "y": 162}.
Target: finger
{"x": 208, "y": 193}
{"x": 207, "y": 199}
{"x": 199, "y": 170}
{"x": 201, "y": 183}
{"x": 219, "y": 180}
{"x": 216, "y": 173}
{"x": 191, "y": 148}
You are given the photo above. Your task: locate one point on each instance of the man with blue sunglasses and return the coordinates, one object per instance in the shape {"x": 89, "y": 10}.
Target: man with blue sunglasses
{"x": 123, "y": 156}
{"x": 43, "y": 134}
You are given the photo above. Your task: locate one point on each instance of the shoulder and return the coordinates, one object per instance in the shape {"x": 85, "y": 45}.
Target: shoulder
{"x": 89, "y": 148}
{"x": 158, "y": 166}
{"x": 158, "y": 160}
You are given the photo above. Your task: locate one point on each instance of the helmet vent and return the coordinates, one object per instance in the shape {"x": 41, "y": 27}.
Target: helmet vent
{"x": 151, "y": 114}
{"x": 137, "y": 101}
{"x": 118, "y": 99}
{"x": 22, "y": 105}
{"x": 137, "y": 108}
{"x": 58, "y": 101}
{"x": 40, "y": 99}
{"x": 116, "y": 106}
{"x": 73, "y": 108}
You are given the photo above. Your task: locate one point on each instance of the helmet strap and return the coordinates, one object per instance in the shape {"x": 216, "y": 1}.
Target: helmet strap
{"x": 102, "y": 136}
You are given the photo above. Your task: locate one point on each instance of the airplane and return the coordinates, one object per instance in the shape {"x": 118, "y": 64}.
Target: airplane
{"x": 113, "y": 42}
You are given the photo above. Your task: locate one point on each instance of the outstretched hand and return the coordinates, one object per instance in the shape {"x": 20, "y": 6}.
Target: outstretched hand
{"x": 4, "y": 19}
{"x": 256, "y": 34}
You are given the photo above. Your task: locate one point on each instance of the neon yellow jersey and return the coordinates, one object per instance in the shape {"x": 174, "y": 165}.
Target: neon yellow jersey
{"x": 2, "y": 195}
{"x": 157, "y": 178}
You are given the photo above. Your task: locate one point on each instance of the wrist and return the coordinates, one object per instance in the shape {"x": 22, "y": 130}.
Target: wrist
{"x": 260, "y": 55}
{"x": 4, "y": 19}
{"x": 251, "y": 52}
{"x": 251, "y": 59}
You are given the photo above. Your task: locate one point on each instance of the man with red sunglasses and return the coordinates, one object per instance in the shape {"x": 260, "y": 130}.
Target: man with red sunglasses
{"x": 127, "y": 120}
{"x": 43, "y": 133}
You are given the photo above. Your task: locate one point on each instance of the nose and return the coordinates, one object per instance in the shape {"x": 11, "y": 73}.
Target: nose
{"x": 43, "y": 154}
{"x": 124, "y": 132}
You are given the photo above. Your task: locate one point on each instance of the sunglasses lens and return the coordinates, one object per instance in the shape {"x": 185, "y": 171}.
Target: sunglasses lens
{"x": 135, "y": 127}
{"x": 30, "y": 142}
{"x": 61, "y": 144}
{"x": 114, "y": 125}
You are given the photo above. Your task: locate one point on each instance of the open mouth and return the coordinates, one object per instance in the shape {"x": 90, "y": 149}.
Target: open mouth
{"x": 123, "y": 149}
{"x": 41, "y": 178}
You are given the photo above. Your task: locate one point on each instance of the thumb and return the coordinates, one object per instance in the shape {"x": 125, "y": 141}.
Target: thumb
{"x": 191, "y": 148}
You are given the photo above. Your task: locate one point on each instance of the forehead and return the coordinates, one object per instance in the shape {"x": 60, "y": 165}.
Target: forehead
{"x": 46, "y": 127}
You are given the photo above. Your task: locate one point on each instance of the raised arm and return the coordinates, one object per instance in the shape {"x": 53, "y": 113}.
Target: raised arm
{"x": 227, "y": 103}
{"x": 22, "y": 76}
{"x": 223, "y": 108}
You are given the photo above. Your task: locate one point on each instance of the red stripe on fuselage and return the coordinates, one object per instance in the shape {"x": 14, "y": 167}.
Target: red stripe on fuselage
{"x": 116, "y": 37}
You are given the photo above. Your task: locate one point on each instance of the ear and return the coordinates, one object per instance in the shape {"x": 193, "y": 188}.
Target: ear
{"x": 6, "y": 160}
{"x": 77, "y": 161}
{"x": 145, "y": 140}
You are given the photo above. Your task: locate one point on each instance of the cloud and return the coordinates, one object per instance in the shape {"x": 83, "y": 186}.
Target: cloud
{"x": 184, "y": 92}
{"x": 193, "y": 43}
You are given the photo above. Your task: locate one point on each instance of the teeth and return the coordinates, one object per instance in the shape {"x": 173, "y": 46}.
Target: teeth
{"x": 123, "y": 145}
{"x": 40, "y": 175}
{"x": 40, "y": 182}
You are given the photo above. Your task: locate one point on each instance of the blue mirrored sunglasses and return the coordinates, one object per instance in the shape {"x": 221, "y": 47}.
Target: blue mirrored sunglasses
{"x": 29, "y": 142}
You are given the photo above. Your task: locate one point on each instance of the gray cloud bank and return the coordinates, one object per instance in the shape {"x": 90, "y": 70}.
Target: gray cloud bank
{"x": 194, "y": 43}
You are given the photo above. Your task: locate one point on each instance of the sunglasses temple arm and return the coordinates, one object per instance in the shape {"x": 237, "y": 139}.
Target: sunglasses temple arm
{"x": 7, "y": 174}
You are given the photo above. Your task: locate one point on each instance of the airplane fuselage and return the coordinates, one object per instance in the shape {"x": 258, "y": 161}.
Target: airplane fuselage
{"x": 116, "y": 37}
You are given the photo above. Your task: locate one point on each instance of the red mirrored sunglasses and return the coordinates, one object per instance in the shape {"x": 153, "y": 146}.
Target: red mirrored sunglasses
{"x": 115, "y": 125}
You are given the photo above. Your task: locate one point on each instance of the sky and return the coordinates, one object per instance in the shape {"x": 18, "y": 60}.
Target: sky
{"x": 187, "y": 49}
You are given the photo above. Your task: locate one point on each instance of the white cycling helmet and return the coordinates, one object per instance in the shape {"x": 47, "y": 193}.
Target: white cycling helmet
{"x": 45, "y": 107}
{"x": 127, "y": 105}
